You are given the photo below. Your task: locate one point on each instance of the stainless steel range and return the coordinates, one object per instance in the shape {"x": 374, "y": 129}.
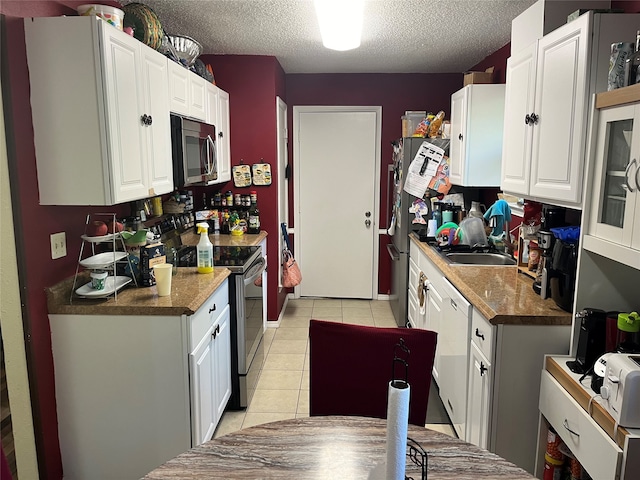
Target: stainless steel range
{"x": 247, "y": 265}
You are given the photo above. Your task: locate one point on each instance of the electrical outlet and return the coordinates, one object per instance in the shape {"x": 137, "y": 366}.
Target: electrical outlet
{"x": 58, "y": 245}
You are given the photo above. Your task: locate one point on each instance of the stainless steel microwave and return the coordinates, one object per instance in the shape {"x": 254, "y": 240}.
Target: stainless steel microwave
{"x": 193, "y": 145}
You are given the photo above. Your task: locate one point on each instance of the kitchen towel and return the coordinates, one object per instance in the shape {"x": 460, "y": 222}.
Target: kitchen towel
{"x": 397, "y": 426}
{"x": 502, "y": 213}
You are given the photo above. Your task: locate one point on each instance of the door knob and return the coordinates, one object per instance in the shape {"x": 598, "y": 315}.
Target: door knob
{"x": 367, "y": 223}
{"x": 460, "y": 136}
{"x": 367, "y": 214}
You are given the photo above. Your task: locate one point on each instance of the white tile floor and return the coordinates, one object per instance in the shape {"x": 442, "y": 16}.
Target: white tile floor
{"x": 283, "y": 387}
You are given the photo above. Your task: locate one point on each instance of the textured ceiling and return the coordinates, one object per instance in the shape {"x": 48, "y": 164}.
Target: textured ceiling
{"x": 399, "y": 36}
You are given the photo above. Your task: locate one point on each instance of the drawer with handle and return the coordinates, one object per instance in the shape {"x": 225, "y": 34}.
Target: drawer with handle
{"x": 591, "y": 445}
{"x": 201, "y": 321}
{"x": 482, "y": 334}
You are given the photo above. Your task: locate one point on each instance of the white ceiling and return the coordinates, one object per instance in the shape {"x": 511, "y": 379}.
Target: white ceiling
{"x": 399, "y": 36}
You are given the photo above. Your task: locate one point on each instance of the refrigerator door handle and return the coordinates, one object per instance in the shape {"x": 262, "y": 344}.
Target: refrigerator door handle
{"x": 393, "y": 252}
{"x": 390, "y": 169}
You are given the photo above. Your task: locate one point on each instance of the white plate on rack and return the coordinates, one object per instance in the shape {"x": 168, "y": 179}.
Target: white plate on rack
{"x": 101, "y": 238}
{"x": 111, "y": 284}
{"x": 102, "y": 260}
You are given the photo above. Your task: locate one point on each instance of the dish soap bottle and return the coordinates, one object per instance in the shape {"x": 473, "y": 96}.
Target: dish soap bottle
{"x": 204, "y": 249}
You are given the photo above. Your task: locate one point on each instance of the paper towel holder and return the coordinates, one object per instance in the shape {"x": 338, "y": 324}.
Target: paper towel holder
{"x": 418, "y": 456}
{"x": 397, "y": 360}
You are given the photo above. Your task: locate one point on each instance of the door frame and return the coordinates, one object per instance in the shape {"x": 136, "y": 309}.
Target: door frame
{"x": 283, "y": 181}
{"x": 297, "y": 110}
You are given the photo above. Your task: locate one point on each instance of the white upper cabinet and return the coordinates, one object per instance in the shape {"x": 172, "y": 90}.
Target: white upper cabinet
{"x": 543, "y": 17}
{"x": 613, "y": 227}
{"x": 187, "y": 92}
{"x": 100, "y": 113}
{"x": 477, "y": 120}
{"x": 546, "y": 119}
{"x": 217, "y": 102}
{"x": 549, "y": 86}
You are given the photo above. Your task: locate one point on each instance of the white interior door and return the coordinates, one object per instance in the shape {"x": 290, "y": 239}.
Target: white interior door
{"x": 337, "y": 164}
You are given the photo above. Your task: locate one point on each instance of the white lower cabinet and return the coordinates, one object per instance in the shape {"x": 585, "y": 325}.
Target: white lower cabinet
{"x": 595, "y": 450}
{"x": 487, "y": 374}
{"x": 432, "y": 322}
{"x": 210, "y": 368}
{"x": 453, "y": 341}
{"x": 480, "y": 382}
{"x": 134, "y": 391}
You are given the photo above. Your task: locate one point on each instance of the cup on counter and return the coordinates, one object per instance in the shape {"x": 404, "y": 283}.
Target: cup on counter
{"x": 98, "y": 280}
{"x": 162, "y": 272}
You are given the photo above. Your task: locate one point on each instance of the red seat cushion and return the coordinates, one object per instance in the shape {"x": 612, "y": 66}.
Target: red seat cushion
{"x": 351, "y": 367}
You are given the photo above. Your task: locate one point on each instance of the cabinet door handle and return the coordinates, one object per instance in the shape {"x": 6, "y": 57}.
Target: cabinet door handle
{"x": 482, "y": 369}
{"x": 453, "y": 304}
{"x": 565, "y": 424}
{"x": 626, "y": 185}
{"x": 478, "y": 334}
{"x": 531, "y": 119}
{"x": 216, "y": 331}
{"x": 460, "y": 136}
{"x": 212, "y": 309}
{"x": 143, "y": 119}
{"x": 149, "y": 120}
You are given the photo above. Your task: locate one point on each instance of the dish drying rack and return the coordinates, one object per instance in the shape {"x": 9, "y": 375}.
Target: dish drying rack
{"x": 105, "y": 261}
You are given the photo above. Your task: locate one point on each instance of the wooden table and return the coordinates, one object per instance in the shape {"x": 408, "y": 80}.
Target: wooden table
{"x": 328, "y": 448}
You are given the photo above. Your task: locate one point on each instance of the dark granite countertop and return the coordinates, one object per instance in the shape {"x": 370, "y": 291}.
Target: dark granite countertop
{"x": 189, "y": 290}
{"x": 501, "y": 293}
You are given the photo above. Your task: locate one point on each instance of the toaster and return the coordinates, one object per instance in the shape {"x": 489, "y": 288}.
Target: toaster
{"x": 621, "y": 389}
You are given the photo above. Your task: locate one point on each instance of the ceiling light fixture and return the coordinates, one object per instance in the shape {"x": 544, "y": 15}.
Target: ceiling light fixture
{"x": 340, "y": 23}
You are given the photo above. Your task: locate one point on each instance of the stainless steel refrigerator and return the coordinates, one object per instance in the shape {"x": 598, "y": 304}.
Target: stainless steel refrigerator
{"x": 404, "y": 150}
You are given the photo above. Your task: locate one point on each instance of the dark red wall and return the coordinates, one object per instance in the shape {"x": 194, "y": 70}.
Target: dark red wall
{"x": 396, "y": 93}
{"x": 253, "y": 82}
{"x": 34, "y": 223}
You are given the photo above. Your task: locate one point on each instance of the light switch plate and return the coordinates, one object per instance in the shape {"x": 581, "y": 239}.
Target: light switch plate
{"x": 58, "y": 245}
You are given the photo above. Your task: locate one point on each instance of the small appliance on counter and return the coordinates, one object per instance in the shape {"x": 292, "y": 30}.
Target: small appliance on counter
{"x": 541, "y": 283}
{"x": 591, "y": 340}
{"x": 564, "y": 264}
{"x": 621, "y": 389}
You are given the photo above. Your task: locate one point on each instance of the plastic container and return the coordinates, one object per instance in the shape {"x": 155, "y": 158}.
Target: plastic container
{"x": 410, "y": 121}
{"x": 628, "y": 328}
{"x": 552, "y": 468}
{"x": 473, "y": 231}
{"x": 204, "y": 250}
{"x": 98, "y": 280}
{"x": 113, "y": 16}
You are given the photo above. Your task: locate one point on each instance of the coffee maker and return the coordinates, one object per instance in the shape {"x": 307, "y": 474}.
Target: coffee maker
{"x": 541, "y": 284}
{"x": 552, "y": 217}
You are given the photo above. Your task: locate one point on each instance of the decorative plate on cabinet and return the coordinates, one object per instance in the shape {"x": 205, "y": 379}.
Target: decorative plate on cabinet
{"x": 145, "y": 23}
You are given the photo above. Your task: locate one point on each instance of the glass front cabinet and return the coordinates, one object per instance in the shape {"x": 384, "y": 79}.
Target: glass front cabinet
{"x": 614, "y": 200}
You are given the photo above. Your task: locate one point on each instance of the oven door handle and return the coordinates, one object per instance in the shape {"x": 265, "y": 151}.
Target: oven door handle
{"x": 255, "y": 271}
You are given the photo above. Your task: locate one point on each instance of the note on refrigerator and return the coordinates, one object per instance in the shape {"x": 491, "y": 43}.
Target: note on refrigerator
{"x": 422, "y": 169}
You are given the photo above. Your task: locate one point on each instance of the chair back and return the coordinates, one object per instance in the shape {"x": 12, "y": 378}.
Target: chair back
{"x": 351, "y": 367}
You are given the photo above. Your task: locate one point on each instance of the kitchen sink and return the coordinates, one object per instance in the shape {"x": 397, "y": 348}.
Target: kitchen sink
{"x": 478, "y": 258}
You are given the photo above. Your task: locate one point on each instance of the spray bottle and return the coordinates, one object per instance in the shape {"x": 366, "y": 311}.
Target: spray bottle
{"x": 204, "y": 249}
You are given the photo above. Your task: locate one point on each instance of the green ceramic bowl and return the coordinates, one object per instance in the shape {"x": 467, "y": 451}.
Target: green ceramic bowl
{"x": 135, "y": 238}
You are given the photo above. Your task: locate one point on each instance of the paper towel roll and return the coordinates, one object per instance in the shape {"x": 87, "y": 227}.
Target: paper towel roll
{"x": 397, "y": 425}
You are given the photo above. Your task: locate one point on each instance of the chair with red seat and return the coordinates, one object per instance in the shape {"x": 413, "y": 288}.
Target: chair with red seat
{"x": 351, "y": 366}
